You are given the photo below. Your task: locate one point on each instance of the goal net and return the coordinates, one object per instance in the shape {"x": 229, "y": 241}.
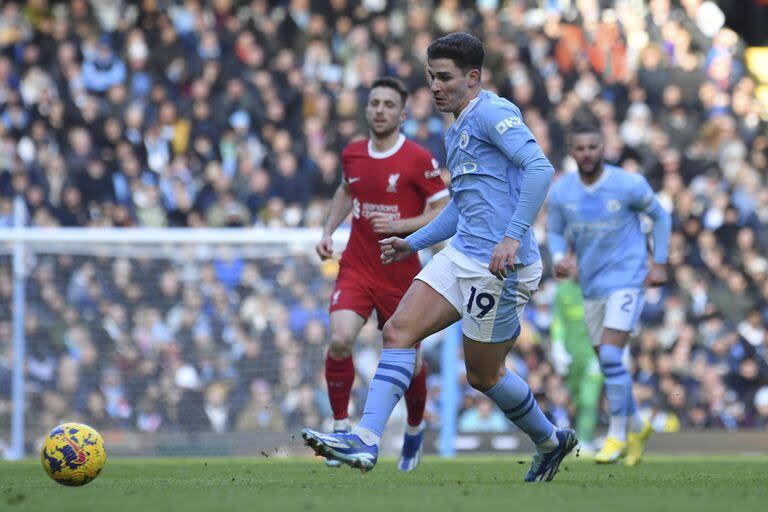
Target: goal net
{"x": 161, "y": 338}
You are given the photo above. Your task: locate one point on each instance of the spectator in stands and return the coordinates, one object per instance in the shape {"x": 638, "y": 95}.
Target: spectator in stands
{"x": 234, "y": 113}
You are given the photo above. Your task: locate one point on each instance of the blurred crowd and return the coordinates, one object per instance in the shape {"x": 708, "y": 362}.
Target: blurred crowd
{"x": 233, "y": 113}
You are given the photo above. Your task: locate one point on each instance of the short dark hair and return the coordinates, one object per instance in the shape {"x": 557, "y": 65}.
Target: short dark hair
{"x": 465, "y": 50}
{"x": 585, "y": 123}
{"x": 393, "y": 83}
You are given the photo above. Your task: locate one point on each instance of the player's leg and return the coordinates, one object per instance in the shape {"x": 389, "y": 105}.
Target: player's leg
{"x": 349, "y": 308}
{"x": 345, "y": 325}
{"x": 415, "y": 403}
{"x": 614, "y": 446}
{"x": 621, "y": 311}
{"x": 487, "y": 373}
{"x": 492, "y": 321}
{"x": 415, "y": 395}
{"x": 621, "y": 317}
{"x": 424, "y": 310}
{"x": 618, "y": 392}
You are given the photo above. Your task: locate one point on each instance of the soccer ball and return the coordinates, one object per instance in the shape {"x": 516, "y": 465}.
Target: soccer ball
{"x": 73, "y": 454}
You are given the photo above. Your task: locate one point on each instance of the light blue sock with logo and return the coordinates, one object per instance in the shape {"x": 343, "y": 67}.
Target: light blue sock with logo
{"x": 389, "y": 384}
{"x": 618, "y": 390}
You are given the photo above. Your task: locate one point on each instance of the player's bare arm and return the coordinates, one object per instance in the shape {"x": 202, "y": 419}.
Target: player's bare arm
{"x": 384, "y": 225}
{"x": 341, "y": 206}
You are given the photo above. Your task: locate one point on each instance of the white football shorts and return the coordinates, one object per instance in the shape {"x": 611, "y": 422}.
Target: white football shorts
{"x": 620, "y": 310}
{"x": 491, "y": 309}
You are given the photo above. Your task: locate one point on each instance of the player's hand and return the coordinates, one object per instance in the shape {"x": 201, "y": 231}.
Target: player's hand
{"x": 657, "y": 275}
{"x": 382, "y": 224}
{"x": 324, "y": 248}
{"x": 394, "y": 249}
{"x": 503, "y": 257}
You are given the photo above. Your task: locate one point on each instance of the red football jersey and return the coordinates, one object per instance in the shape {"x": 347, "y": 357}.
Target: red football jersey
{"x": 399, "y": 182}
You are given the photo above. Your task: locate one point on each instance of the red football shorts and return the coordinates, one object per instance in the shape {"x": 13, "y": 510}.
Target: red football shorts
{"x": 356, "y": 293}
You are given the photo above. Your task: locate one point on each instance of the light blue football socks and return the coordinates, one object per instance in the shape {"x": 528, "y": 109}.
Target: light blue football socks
{"x": 515, "y": 399}
{"x": 618, "y": 390}
{"x": 392, "y": 378}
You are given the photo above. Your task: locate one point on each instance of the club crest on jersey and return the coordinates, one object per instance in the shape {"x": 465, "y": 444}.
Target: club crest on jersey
{"x": 613, "y": 205}
{"x": 463, "y": 139}
{"x": 392, "y": 182}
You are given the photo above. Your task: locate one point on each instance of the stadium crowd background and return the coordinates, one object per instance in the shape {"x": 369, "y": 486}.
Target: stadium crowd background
{"x": 180, "y": 113}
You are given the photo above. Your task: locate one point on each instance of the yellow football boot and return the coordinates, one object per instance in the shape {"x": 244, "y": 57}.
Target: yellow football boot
{"x": 636, "y": 445}
{"x": 613, "y": 449}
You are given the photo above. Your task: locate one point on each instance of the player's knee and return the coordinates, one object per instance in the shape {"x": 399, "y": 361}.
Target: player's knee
{"x": 394, "y": 335}
{"x": 341, "y": 345}
{"x": 482, "y": 381}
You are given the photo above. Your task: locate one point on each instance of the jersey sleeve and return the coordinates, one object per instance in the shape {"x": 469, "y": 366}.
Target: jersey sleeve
{"x": 428, "y": 179}
{"x": 640, "y": 193}
{"x": 501, "y": 123}
{"x": 642, "y": 198}
{"x": 556, "y": 240}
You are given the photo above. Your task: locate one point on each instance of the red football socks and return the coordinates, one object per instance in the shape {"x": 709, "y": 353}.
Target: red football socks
{"x": 340, "y": 375}
{"x": 416, "y": 397}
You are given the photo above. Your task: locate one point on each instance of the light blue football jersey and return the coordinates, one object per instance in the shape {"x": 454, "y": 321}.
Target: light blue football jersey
{"x": 481, "y": 145}
{"x": 602, "y": 223}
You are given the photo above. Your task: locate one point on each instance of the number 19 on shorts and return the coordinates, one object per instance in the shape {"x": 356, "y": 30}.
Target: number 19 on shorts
{"x": 481, "y": 303}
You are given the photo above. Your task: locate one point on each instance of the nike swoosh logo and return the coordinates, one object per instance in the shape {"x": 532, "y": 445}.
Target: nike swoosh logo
{"x": 353, "y": 180}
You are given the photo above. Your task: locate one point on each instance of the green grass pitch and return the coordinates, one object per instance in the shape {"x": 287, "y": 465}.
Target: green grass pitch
{"x": 476, "y": 484}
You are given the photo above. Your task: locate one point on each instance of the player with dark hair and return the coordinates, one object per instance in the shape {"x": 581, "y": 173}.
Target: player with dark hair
{"x": 597, "y": 212}
{"x": 486, "y": 274}
{"x": 391, "y": 186}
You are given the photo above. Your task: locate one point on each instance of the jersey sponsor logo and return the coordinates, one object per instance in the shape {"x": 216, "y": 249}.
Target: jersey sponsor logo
{"x": 596, "y": 228}
{"x": 353, "y": 180}
{"x": 463, "y": 139}
{"x": 392, "y": 182}
{"x": 505, "y": 124}
{"x": 365, "y": 210}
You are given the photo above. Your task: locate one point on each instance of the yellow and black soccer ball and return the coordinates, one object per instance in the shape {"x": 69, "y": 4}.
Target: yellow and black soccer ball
{"x": 73, "y": 454}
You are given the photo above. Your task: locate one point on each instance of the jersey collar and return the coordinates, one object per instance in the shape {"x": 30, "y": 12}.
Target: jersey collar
{"x": 378, "y": 155}
{"x": 470, "y": 106}
{"x": 594, "y": 186}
